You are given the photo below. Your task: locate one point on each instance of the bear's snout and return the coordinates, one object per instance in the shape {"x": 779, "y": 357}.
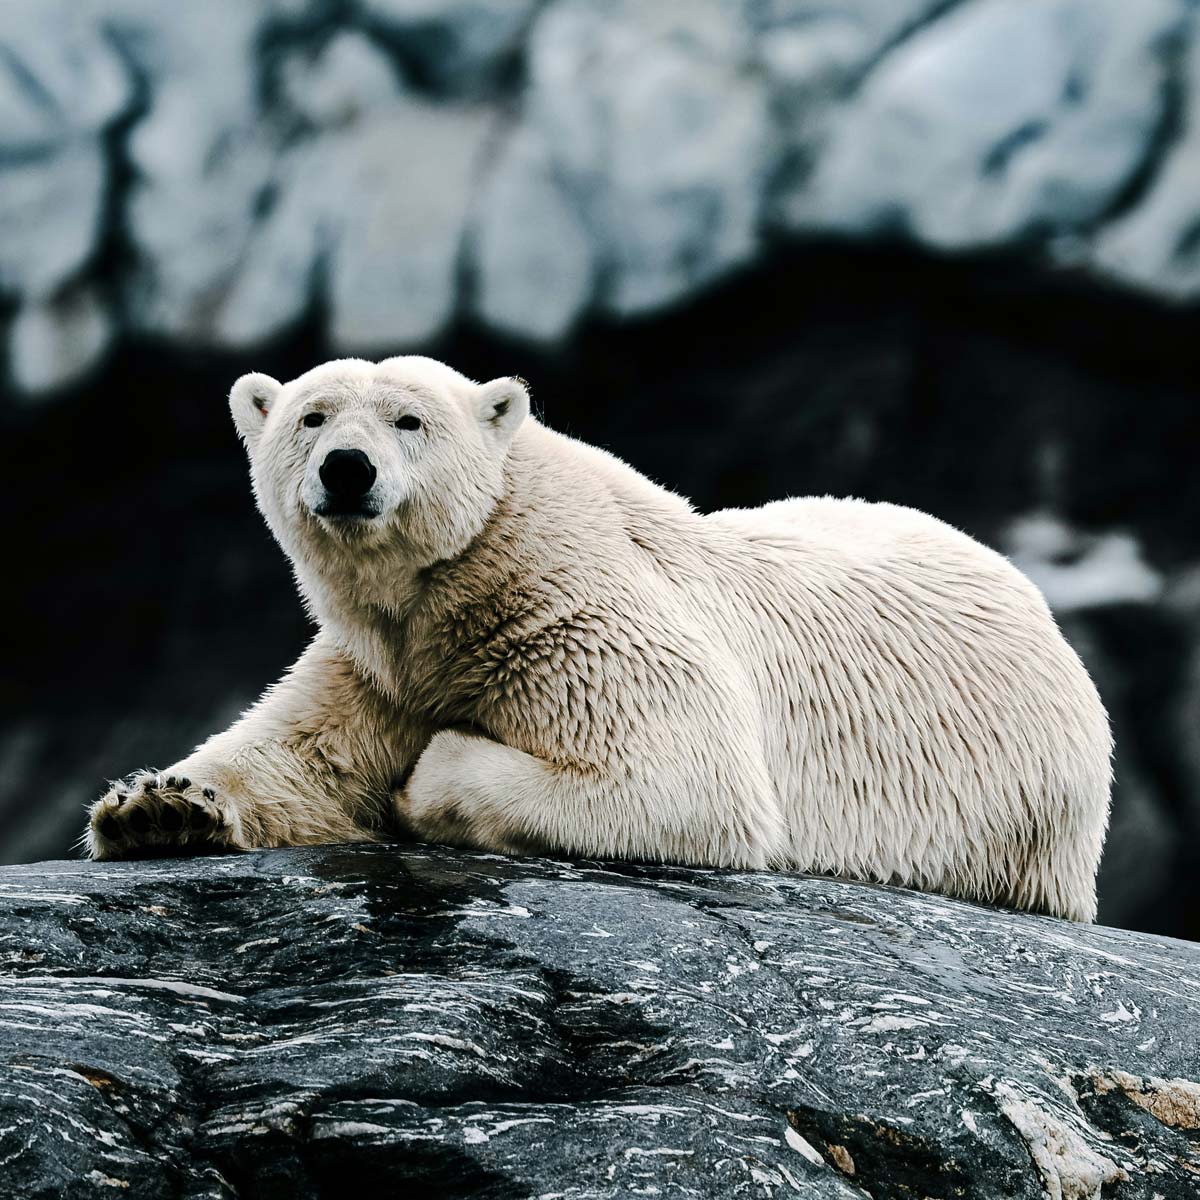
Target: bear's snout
{"x": 347, "y": 476}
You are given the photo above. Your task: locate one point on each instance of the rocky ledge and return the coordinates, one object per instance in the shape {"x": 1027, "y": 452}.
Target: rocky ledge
{"x": 418, "y": 1021}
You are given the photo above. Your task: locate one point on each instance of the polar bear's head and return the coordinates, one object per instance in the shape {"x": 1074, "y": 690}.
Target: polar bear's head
{"x": 354, "y": 458}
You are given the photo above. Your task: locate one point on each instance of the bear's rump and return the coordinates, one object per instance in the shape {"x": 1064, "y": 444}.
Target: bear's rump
{"x": 922, "y": 707}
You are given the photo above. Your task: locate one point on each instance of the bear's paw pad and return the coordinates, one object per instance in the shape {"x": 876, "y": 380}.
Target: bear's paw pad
{"x": 151, "y": 813}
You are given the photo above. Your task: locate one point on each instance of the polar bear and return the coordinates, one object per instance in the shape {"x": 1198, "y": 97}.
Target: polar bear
{"x": 526, "y": 646}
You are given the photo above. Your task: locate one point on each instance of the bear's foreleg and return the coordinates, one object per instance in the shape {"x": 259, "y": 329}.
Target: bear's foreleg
{"x": 313, "y": 761}
{"x": 471, "y": 791}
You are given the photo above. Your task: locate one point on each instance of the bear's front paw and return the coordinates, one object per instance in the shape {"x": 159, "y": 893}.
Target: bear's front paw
{"x": 151, "y": 814}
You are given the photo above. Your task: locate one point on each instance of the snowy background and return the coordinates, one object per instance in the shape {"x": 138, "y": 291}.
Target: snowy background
{"x": 943, "y": 253}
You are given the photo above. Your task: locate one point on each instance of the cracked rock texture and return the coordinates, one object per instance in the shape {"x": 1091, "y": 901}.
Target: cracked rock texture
{"x": 211, "y": 173}
{"x": 410, "y": 1020}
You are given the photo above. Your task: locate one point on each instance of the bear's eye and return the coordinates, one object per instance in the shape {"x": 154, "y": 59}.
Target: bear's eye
{"x": 312, "y": 420}
{"x": 408, "y": 421}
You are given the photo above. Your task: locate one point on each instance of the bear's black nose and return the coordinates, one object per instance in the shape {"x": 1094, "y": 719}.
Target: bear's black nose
{"x": 347, "y": 474}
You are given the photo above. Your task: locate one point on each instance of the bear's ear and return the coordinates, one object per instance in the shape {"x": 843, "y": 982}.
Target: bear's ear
{"x": 250, "y": 399}
{"x": 501, "y": 406}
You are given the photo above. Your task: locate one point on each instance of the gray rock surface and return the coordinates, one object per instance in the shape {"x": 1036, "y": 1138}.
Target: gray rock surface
{"x": 458, "y": 46}
{"x": 62, "y": 85}
{"x": 56, "y": 341}
{"x": 999, "y": 122}
{"x": 416, "y": 1021}
{"x": 655, "y": 116}
{"x": 264, "y": 159}
{"x": 1155, "y": 246}
{"x": 534, "y": 259}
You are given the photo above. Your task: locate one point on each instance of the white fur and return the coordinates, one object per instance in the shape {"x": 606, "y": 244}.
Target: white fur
{"x": 534, "y": 648}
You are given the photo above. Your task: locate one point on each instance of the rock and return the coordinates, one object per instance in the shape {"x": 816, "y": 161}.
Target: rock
{"x": 317, "y": 188}
{"x": 294, "y": 1023}
{"x": 200, "y": 160}
{"x": 939, "y": 144}
{"x": 60, "y": 78}
{"x": 50, "y": 210}
{"x": 814, "y": 56}
{"x": 265, "y": 162}
{"x": 272, "y": 281}
{"x": 812, "y": 45}
{"x": 458, "y": 47}
{"x": 347, "y": 179}
{"x": 1155, "y": 247}
{"x": 1075, "y": 570}
{"x": 397, "y": 196}
{"x": 347, "y": 80}
{"x": 52, "y": 345}
{"x": 62, "y": 86}
{"x": 660, "y": 126}
{"x": 533, "y": 258}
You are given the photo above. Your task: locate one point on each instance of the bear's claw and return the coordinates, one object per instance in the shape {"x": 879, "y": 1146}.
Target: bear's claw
{"x": 148, "y": 814}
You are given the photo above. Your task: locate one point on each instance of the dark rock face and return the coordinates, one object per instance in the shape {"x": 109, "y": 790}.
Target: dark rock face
{"x": 409, "y": 1020}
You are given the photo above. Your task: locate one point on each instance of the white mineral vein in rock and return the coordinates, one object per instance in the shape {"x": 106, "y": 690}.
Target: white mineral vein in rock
{"x": 449, "y": 1043}
{"x": 115, "y": 981}
{"x": 1121, "y": 1014}
{"x": 1071, "y": 1169}
{"x": 9, "y": 892}
{"x": 798, "y": 1143}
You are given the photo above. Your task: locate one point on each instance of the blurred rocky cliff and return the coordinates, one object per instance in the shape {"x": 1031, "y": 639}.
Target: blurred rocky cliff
{"x": 211, "y": 175}
{"x": 942, "y": 253}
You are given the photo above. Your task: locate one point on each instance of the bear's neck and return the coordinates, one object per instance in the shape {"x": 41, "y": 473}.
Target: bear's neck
{"x": 531, "y": 526}
{"x": 567, "y": 512}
